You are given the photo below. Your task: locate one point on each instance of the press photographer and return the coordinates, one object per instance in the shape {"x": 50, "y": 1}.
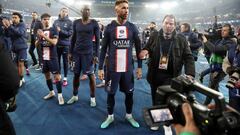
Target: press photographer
{"x": 221, "y": 120}
{"x": 231, "y": 66}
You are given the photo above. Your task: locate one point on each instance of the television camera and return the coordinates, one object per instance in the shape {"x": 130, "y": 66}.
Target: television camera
{"x": 222, "y": 120}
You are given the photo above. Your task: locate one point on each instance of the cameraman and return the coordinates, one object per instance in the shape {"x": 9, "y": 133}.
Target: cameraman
{"x": 190, "y": 127}
{"x": 231, "y": 66}
{"x": 218, "y": 53}
{"x": 9, "y": 82}
{"x": 213, "y": 34}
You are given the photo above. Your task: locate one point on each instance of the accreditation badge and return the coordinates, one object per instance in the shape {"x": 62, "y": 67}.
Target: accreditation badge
{"x": 163, "y": 63}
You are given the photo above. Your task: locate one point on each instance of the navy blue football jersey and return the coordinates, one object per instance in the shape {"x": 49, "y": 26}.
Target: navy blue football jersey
{"x": 49, "y": 51}
{"x": 119, "y": 40}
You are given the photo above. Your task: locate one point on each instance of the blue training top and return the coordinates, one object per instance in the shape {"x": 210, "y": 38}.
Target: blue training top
{"x": 82, "y": 37}
{"x": 18, "y": 35}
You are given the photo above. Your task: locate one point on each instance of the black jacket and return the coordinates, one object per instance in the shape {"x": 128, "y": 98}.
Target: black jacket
{"x": 66, "y": 32}
{"x": 181, "y": 55}
{"x": 221, "y": 46}
{"x": 9, "y": 80}
{"x": 35, "y": 25}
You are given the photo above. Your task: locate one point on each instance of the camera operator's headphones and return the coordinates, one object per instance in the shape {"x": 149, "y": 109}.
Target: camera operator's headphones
{"x": 231, "y": 31}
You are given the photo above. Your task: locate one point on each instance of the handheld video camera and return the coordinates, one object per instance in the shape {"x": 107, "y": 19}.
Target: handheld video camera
{"x": 233, "y": 78}
{"x": 222, "y": 120}
{"x": 212, "y": 34}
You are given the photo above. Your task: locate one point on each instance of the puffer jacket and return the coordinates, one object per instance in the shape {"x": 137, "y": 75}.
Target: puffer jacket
{"x": 66, "y": 26}
{"x": 18, "y": 35}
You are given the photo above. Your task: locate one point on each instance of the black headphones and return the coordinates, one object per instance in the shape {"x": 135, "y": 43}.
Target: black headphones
{"x": 231, "y": 31}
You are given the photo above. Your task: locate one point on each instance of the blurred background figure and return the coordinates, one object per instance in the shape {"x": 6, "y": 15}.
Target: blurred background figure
{"x": 64, "y": 26}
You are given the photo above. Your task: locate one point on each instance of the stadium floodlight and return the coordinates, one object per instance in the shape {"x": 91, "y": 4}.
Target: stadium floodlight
{"x": 151, "y": 5}
{"x": 68, "y": 2}
{"x": 78, "y": 2}
{"x": 89, "y": 3}
{"x": 168, "y": 5}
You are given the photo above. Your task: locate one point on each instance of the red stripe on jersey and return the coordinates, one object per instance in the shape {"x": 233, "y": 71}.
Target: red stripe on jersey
{"x": 94, "y": 38}
{"x": 116, "y": 54}
{"x": 126, "y": 60}
{"x": 126, "y": 33}
{"x": 50, "y": 53}
{"x": 116, "y": 32}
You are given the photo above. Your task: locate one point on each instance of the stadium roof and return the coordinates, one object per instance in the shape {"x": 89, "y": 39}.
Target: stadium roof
{"x": 139, "y": 9}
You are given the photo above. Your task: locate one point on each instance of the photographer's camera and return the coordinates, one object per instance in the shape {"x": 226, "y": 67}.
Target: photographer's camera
{"x": 232, "y": 80}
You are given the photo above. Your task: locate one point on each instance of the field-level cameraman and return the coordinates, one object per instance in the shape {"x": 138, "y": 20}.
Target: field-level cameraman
{"x": 218, "y": 50}
{"x": 190, "y": 127}
{"x": 231, "y": 66}
{"x": 9, "y": 83}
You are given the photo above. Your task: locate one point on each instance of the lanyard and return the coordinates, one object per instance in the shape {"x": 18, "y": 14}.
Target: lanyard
{"x": 161, "y": 48}
{"x": 169, "y": 49}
